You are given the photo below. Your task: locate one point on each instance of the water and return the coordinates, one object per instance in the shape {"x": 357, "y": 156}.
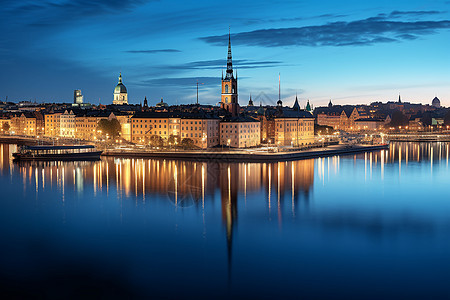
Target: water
{"x": 373, "y": 225}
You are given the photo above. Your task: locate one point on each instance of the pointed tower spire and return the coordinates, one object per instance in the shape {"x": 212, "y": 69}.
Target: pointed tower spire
{"x": 399, "y": 98}
{"x": 145, "y": 102}
{"x": 229, "y": 57}
{"x": 296, "y": 106}
{"x": 120, "y": 78}
{"x": 308, "y": 107}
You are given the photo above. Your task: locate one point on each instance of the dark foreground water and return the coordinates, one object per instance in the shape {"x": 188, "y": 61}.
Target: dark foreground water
{"x": 374, "y": 225}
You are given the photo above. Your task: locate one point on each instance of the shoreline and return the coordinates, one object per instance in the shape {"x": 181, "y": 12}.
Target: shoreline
{"x": 241, "y": 156}
{"x": 234, "y": 155}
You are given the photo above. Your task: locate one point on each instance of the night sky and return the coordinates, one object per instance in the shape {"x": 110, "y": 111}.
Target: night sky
{"x": 347, "y": 51}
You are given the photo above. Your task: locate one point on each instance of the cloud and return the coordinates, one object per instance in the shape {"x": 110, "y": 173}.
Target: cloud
{"x": 368, "y": 31}
{"x": 417, "y": 13}
{"x": 153, "y": 51}
{"x": 217, "y": 64}
{"x": 77, "y": 7}
{"x": 252, "y": 21}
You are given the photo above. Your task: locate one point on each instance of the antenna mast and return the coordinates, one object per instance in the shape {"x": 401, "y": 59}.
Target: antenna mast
{"x": 279, "y": 86}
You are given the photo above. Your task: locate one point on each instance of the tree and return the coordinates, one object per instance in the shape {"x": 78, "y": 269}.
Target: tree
{"x": 427, "y": 118}
{"x": 447, "y": 119}
{"x": 187, "y": 143}
{"x": 6, "y": 127}
{"x": 110, "y": 127}
{"x": 172, "y": 139}
{"x": 156, "y": 141}
{"x": 398, "y": 119}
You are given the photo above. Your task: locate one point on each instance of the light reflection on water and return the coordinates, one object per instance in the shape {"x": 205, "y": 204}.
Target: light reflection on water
{"x": 371, "y": 213}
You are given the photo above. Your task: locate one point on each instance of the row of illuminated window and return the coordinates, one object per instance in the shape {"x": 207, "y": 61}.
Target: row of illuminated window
{"x": 150, "y": 121}
{"x": 241, "y": 126}
{"x": 241, "y": 131}
{"x": 145, "y": 126}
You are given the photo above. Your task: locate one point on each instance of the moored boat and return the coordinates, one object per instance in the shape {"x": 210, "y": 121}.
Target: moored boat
{"x": 67, "y": 153}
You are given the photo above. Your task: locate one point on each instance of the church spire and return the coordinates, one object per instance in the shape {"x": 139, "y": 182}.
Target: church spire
{"x": 229, "y": 58}
{"x": 120, "y": 77}
{"x": 296, "y": 106}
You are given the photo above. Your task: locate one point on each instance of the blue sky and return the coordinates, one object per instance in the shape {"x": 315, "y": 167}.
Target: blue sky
{"x": 347, "y": 51}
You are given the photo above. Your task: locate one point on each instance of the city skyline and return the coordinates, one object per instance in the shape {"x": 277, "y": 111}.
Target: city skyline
{"x": 352, "y": 53}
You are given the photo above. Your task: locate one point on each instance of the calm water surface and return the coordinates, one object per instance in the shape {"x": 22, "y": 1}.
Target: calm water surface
{"x": 373, "y": 225}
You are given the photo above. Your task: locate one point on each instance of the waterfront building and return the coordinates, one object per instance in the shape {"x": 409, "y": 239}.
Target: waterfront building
{"x": 52, "y": 124}
{"x": 286, "y": 126}
{"x": 144, "y": 125}
{"x": 23, "y": 124}
{"x": 202, "y": 128}
{"x": 67, "y": 124}
{"x": 369, "y": 124}
{"x": 125, "y": 124}
{"x": 293, "y": 127}
{"x": 240, "y": 132}
{"x": 86, "y": 124}
{"x": 120, "y": 93}
{"x": 229, "y": 98}
{"x": 329, "y": 116}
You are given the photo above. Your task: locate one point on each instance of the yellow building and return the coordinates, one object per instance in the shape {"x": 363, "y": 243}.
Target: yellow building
{"x": 368, "y": 124}
{"x": 23, "y": 124}
{"x": 240, "y": 132}
{"x": 86, "y": 127}
{"x": 201, "y": 128}
{"x": 293, "y": 127}
{"x": 86, "y": 124}
{"x": 52, "y": 124}
{"x": 125, "y": 125}
{"x": 67, "y": 125}
{"x": 146, "y": 124}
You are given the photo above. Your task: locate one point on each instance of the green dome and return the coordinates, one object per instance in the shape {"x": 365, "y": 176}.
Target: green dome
{"x": 162, "y": 104}
{"x": 120, "y": 88}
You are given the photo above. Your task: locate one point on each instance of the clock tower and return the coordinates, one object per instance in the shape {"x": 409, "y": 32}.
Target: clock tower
{"x": 229, "y": 100}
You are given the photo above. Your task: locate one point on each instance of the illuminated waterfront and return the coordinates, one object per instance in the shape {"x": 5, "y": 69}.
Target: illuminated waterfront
{"x": 371, "y": 225}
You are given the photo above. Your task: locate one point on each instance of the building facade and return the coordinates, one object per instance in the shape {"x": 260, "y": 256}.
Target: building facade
{"x": 23, "y": 124}
{"x": 294, "y": 128}
{"x": 240, "y": 132}
{"x": 52, "y": 124}
{"x": 67, "y": 124}
{"x": 204, "y": 131}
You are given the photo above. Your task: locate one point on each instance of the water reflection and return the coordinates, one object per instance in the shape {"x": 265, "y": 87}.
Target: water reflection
{"x": 190, "y": 183}
{"x": 326, "y": 197}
